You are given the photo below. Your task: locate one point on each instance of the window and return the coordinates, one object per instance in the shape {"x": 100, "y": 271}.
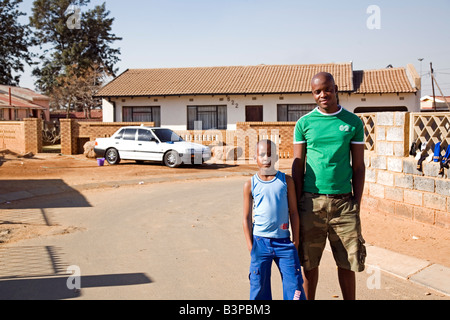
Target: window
{"x": 293, "y": 112}
{"x": 120, "y": 134}
{"x": 167, "y": 135}
{"x": 142, "y": 114}
{"x": 129, "y": 134}
{"x": 145, "y": 135}
{"x": 211, "y": 117}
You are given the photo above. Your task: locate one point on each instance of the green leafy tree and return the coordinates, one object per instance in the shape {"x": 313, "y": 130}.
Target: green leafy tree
{"x": 14, "y": 42}
{"x": 73, "y": 45}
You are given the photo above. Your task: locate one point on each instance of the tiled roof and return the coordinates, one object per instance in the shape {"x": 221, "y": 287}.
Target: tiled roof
{"x": 261, "y": 79}
{"x": 16, "y": 102}
{"x": 20, "y": 98}
{"x": 390, "y": 80}
{"x": 23, "y": 93}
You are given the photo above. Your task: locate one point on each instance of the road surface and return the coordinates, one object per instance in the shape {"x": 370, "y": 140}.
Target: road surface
{"x": 163, "y": 241}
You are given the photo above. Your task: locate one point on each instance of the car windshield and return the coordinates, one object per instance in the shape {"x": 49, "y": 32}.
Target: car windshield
{"x": 167, "y": 135}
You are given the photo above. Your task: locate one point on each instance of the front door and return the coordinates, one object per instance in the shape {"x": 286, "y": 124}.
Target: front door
{"x": 253, "y": 113}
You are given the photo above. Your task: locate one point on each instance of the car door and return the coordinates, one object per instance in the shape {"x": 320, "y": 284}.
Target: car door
{"x": 147, "y": 147}
{"x": 127, "y": 145}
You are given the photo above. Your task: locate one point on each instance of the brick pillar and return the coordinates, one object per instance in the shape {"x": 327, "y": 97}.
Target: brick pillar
{"x": 67, "y": 145}
{"x": 33, "y": 135}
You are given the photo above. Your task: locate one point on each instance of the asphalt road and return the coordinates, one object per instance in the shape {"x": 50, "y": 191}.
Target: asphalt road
{"x": 162, "y": 241}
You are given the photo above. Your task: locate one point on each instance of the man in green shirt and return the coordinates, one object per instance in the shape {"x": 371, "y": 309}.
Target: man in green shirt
{"x": 329, "y": 174}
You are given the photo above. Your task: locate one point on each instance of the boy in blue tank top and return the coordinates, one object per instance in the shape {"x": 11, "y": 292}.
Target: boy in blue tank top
{"x": 272, "y": 196}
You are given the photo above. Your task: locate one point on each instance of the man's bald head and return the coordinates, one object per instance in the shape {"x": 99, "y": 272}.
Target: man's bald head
{"x": 323, "y": 77}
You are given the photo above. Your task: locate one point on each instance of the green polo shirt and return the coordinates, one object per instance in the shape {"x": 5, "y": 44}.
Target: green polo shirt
{"x": 328, "y": 138}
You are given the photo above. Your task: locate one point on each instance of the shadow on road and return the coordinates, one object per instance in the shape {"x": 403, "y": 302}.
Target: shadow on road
{"x": 56, "y": 288}
{"x": 39, "y": 273}
{"x": 18, "y": 194}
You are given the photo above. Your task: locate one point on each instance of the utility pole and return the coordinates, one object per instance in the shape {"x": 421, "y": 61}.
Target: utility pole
{"x": 432, "y": 85}
{"x": 442, "y": 94}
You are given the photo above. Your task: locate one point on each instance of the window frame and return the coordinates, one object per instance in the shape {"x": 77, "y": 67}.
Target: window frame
{"x": 221, "y": 124}
{"x": 308, "y": 108}
{"x": 152, "y": 113}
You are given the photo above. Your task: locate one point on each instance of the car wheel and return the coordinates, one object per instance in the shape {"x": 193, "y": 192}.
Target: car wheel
{"x": 172, "y": 159}
{"x": 112, "y": 156}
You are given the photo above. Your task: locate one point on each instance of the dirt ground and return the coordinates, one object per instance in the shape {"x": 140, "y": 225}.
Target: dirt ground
{"x": 19, "y": 173}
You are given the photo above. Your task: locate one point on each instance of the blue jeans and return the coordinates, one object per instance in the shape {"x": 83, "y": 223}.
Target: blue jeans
{"x": 283, "y": 252}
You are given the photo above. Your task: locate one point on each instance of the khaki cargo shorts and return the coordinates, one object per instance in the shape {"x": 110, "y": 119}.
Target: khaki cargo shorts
{"x": 322, "y": 217}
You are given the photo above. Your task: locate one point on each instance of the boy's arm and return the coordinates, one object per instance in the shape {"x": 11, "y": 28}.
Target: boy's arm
{"x": 293, "y": 212}
{"x": 247, "y": 218}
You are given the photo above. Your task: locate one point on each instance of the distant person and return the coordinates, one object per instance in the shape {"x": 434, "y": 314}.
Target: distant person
{"x": 272, "y": 194}
{"x": 329, "y": 174}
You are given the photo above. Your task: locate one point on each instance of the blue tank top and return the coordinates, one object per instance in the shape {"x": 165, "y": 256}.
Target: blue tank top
{"x": 270, "y": 207}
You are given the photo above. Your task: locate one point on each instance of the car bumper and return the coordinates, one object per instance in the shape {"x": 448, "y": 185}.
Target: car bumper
{"x": 99, "y": 153}
{"x": 195, "y": 158}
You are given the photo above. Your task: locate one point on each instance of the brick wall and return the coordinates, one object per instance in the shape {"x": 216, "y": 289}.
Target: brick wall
{"x": 75, "y": 133}
{"x": 21, "y": 136}
{"x": 33, "y": 135}
{"x": 282, "y": 133}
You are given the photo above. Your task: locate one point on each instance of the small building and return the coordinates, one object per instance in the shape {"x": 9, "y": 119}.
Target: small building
{"x": 18, "y": 103}
{"x": 94, "y": 115}
{"x": 442, "y": 103}
{"x": 220, "y": 97}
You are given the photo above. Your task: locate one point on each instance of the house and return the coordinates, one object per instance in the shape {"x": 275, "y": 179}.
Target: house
{"x": 220, "y": 97}
{"x": 442, "y": 103}
{"x": 18, "y": 103}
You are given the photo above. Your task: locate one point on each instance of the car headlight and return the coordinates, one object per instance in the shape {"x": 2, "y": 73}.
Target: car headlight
{"x": 206, "y": 151}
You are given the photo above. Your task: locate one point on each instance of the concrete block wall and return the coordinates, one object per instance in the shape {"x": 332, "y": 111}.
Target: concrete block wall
{"x": 395, "y": 186}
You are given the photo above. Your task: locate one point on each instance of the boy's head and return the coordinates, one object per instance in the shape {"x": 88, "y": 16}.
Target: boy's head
{"x": 266, "y": 156}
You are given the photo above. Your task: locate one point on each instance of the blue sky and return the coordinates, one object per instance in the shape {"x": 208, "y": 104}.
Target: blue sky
{"x": 191, "y": 33}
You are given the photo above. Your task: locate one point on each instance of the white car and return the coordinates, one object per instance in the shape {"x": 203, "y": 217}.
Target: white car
{"x": 146, "y": 143}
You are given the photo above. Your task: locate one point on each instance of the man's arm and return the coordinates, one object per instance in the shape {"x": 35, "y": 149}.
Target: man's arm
{"x": 247, "y": 218}
{"x": 293, "y": 212}
{"x": 298, "y": 168}
{"x": 359, "y": 171}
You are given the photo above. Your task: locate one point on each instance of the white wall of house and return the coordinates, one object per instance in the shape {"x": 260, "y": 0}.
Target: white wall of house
{"x": 174, "y": 108}
{"x": 409, "y": 100}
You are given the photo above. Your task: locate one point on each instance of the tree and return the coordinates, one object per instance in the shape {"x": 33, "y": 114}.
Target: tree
{"x": 72, "y": 51}
{"x": 76, "y": 91}
{"x": 14, "y": 43}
